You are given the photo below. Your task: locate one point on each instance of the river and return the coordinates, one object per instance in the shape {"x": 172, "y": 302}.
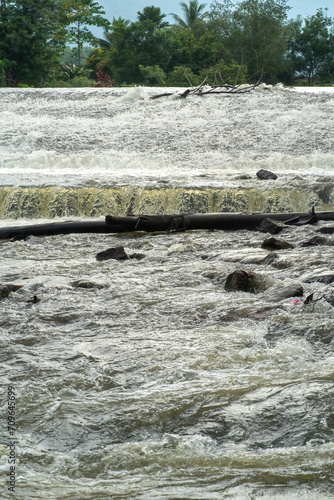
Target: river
{"x": 145, "y": 378}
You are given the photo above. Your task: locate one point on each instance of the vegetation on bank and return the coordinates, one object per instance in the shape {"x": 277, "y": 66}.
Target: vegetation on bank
{"x": 49, "y": 43}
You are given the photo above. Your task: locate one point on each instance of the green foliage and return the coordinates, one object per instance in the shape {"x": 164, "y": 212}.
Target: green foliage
{"x": 153, "y": 75}
{"x": 31, "y": 35}
{"x": 232, "y": 74}
{"x": 227, "y": 43}
{"x": 182, "y": 76}
{"x": 312, "y": 48}
{"x": 194, "y": 17}
{"x": 154, "y": 15}
{"x": 81, "y": 14}
{"x": 2, "y": 76}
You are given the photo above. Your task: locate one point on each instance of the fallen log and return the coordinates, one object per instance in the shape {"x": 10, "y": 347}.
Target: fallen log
{"x": 169, "y": 223}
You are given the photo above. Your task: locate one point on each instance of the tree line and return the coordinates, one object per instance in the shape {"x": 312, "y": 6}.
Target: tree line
{"x": 51, "y": 43}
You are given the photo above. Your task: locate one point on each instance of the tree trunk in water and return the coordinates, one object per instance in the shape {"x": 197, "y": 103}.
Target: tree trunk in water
{"x": 154, "y": 223}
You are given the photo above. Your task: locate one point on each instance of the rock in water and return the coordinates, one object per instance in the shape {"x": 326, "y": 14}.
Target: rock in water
{"x": 117, "y": 253}
{"x": 271, "y": 226}
{"x": 276, "y": 294}
{"x": 4, "y": 292}
{"x": 265, "y": 175}
{"x": 275, "y": 244}
{"x": 243, "y": 281}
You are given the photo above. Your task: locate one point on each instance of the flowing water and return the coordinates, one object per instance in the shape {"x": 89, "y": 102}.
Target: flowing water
{"x": 144, "y": 378}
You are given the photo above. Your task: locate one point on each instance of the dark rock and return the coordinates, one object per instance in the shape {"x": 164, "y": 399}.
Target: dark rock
{"x": 137, "y": 256}
{"x": 12, "y": 288}
{"x": 275, "y": 244}
{"x": 276, "y": 294}
{"x": 243, "y": 177}
{"x": 4, "y": 291}
{"x": 329, "y": 297}
{"x": 117, "y": 253}
{"x": 265, "y": 175}
{"x": 269, "y": 259}
{"x": 325, "y": 277}
{"x": 326, "y": 230}
{"x": 316, "y": 240}
{"x": 244, "y": 281}
{"x": 271, "y": 226}
{"x": 262, "y": 261}
{"x": 34, "y": 300}
{"x": 87, "y": 284}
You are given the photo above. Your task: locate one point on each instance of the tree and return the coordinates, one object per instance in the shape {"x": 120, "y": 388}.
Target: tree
{"x": 154, "y": 15}
{"x": 32, "y": 34}
{"x": 81, "y": 14}
{"x": 193, "y": 16}
{"x": 312, "y": 49}
{"x": 261, "y": 35}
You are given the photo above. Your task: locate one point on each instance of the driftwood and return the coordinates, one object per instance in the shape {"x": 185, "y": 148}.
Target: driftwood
{"x": 203, "y": 89}
{"x": 169, "y": 223}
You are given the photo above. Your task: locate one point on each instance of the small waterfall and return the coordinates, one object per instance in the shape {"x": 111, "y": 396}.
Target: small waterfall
{"x": 51, "y": 202}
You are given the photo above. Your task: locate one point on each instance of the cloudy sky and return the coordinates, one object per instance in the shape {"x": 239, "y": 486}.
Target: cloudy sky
{"x": 128, "y": 8}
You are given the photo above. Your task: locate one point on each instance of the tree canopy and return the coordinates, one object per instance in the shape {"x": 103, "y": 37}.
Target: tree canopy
{"x": 236, "y": 42}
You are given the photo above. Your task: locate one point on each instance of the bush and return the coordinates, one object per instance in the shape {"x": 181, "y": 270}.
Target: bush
{"x": 182, "y": 77}
{"x": 232, "y": 74}
{"x": 153, "y": 75}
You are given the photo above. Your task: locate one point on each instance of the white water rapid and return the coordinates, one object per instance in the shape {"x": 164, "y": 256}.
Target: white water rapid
{"x": 145, "y": 379}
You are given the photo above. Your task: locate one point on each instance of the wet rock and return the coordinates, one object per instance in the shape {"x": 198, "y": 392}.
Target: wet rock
{"x": 316, "y": 240}
{"x": 269, "y": 259}
{"x": 263, "y": 313}
{"x": 325, "y": 277}
{"x": 215, "y": 277}
{"x": 326, "y": 230}
{"x": 4, "y": 292}
{"x": 275, "y": 244}
{"x": 12, "y": 287}
{"x": 329, "y": 297}
{"x": 137, "y": 256}
{"x": 87, "y": 284}
{"x": 262, "y": 261}
{"x": 243, "y": 177}
{"x": 271, "y": 226}
{"x": 117, "y": 253}
{"x": 265, "y": 175}
{"x": 244, "y": 281}
{"x": 284, "y": 292}
{"x": 34, "y": 300}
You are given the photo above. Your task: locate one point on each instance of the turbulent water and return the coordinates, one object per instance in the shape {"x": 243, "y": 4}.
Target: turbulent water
{"x": 145, "y": 378}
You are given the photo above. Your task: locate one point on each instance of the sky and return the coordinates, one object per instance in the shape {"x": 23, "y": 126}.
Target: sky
{"x": 128, "y": 8}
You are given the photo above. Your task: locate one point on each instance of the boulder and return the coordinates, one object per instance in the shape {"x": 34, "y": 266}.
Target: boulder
{"x": 283, "y": 292}
{"x": 244, "y": 281}
{"x": 271, "y": 226}
{"x": 4, "y": 291}
{"x": 275, "y": 244}
{"x": 315, "y": 241}
{"x": 325, "y": 277}
{"x": 117, "y": 253}
{"x": 265, "y": 175}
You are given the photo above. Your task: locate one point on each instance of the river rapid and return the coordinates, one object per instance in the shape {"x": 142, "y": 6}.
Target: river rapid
{"x": 144, "y": 378}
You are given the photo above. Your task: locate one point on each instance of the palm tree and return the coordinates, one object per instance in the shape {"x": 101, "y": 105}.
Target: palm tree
{"x": 153, "y": 14}
{"x": 192, "y": 14}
